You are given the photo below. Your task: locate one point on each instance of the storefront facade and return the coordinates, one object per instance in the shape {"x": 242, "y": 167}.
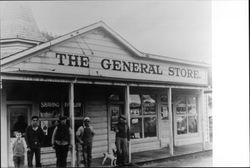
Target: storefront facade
{"x": 94, "y": 72}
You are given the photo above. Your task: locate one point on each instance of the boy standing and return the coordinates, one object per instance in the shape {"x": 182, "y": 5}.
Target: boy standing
{"x": 18, "y": 150}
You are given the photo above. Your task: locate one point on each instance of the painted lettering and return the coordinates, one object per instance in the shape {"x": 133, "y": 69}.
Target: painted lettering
{"x": 196, "y": 74}
{"x": 61, "y": 58}
{"x": 126, "y": 66}
{"x": 84, "y": 62}
{"x": 144, "y": 68}
{"x": 183, "y": 72}
{"x": 158, "y": 71}
{"x": 73, "y": 58}
{"x": 135, "y": 67}
{"x": 151, "y": 69}
{"x": 105, "y": 64}
{"x": 171, "y": 71}
{"x": 116, "y": 65}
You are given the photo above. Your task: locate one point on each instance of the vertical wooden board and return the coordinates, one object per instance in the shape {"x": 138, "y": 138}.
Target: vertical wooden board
{"x": 96, "y": 109}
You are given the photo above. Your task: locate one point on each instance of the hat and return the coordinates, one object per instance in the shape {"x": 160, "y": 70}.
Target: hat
{"x": 62, "y": 118}
{"x": 34, "y": 117}
{"x": 86, "y": 119}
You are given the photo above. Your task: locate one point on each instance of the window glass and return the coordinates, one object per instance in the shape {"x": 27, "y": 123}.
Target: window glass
{"x": 149, "y": 104}
{"x": 135, "y": 105}
{"x": 150, "y": 127}
{"x": 135, "y": 101}
{"x": 181, "y": 105}
{"x": 48, "y": 127}
{"x": 164, "y": 99}
{"x": 136, "y": 128}
{"x": 49, "y": 109}
{"x": 78, "y": 110}
{"x": 192, "y": 124}
{"x": 191, "y": 103}
{"x": 181, "y": 125}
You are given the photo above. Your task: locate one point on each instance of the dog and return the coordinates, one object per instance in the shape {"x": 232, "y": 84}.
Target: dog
{"x": 112, "y": 157}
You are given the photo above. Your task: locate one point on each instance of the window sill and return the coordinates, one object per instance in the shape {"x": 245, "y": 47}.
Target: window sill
{"x": 149, "y": 139}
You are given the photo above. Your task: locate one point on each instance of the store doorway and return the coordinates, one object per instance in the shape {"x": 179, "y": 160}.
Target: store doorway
{"x": 114, "y": 111}
{"x": 18, "y": 118}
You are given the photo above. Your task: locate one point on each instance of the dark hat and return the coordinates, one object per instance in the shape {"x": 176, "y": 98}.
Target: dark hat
{"x": 62, "y": 118}
{"x": 34, "y": 117}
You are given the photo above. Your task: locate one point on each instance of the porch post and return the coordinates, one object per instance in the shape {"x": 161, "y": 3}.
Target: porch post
{"x": 72, "y": 121}
{"x": 171, "y": 145}
{"x": 203, "y": 121}
{"x": 128, "y": 117}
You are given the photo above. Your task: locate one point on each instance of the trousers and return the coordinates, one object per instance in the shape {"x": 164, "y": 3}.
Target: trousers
{"x": 61, "y": 155}
{"x": 18, "y": 161}
{"x": 122, "y": 150}
{"x": 87, "y": 153}
{"x": 30, "y": 154}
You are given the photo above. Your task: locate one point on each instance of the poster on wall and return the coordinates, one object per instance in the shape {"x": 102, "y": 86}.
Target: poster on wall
{"x": 115, "y": 111}
{"x": 164, "y": 112}
{"x": 44, "y": 126}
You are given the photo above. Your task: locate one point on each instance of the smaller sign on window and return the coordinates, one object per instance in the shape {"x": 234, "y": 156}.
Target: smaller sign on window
{"x": 115, "y": 112}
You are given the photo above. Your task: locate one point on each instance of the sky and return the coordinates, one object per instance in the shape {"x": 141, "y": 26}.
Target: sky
{"x": 172, "y": 28}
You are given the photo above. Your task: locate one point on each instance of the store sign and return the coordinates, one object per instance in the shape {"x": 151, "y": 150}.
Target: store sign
{"x": 127, "y": 66}
{"x": 115, "y": 66}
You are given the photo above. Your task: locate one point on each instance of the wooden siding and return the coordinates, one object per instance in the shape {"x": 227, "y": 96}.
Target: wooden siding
{"x": 97, "y": 45}
{"x": 96, "y": 109}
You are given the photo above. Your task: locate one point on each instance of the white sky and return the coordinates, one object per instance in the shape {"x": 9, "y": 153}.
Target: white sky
{"x": 173, "y": 28}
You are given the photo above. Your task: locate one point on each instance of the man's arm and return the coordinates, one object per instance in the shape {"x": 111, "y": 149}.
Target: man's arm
{"x": 78, "y": 134}
{"x": 42, "y": 136}
{"x": 53, "y": 137}
{"x": 27, "y": 137}
{"x": 128, "y": 133}
{"x": 92, "y": 130}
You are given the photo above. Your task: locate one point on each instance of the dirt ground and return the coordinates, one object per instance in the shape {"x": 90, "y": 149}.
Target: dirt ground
{"x": 204, "y": 160}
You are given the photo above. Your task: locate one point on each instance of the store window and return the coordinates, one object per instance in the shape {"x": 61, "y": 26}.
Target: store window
{"x": 186, "y": 115}
{"x": 50, "y": 112}
{"x": 143, "y": 116}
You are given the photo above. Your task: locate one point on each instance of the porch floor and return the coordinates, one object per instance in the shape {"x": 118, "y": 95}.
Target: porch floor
{"x": 147, "y": 156}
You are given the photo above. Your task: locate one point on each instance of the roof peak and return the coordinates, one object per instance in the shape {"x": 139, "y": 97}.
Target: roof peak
{"x": 17, "y": 21}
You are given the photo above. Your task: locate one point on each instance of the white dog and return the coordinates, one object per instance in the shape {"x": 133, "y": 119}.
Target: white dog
{"x": 110, "y": 156}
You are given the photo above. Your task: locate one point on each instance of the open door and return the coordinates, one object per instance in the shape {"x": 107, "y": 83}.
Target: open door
{"x": 114, "y": 110}
{"x": 18, "y": 118}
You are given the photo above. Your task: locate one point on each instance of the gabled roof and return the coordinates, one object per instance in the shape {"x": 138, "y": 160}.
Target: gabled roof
{"x": 100, "y": 24}
{"x": 45, "y": 45}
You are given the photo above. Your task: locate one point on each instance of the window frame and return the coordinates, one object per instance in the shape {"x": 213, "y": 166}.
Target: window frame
{"x": 187, "y": 115}
{"x": 142, "y": 115}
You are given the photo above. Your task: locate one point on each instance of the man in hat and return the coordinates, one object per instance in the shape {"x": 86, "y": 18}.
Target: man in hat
{"x": 61, "y": 141}
{"x": 34, "y": 138}
{"x": 85, "y": 136}
{"x": 122, "y": 138}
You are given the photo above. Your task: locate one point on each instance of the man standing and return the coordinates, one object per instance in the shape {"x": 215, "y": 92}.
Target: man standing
{"x": 61, "y": 142}
{"x": 122, "y": 138}
{"x": 34, "y": 137}
{"x": 85, "y": 136}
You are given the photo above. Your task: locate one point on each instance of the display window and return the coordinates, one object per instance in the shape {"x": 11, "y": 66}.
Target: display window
{"x": 186, "y": 115}
{"x": 143, "y": 116}
{"x": 50, "y": 112}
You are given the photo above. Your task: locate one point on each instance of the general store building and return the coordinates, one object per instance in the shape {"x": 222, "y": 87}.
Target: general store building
{"x": 95, "y": 72}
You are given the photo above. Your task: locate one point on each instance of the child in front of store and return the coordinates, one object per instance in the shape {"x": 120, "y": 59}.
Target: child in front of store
{"x": 18, "y": 150}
